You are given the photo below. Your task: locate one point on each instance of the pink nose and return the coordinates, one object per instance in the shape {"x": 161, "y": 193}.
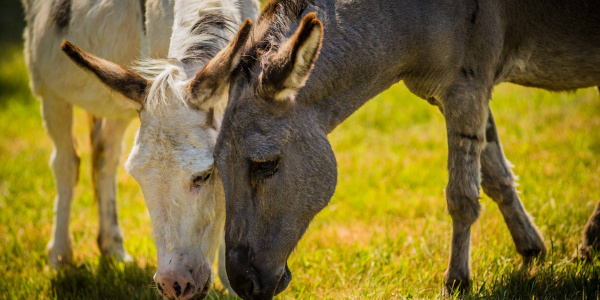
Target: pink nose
{"x": 172, "y": 285}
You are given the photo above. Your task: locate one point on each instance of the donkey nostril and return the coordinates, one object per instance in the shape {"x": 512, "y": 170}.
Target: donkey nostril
{"x": 251, "y": 285}
{"x": 177, "y": 289}
{"x": 189, "y": 289}
{"x": 175, "y": 286}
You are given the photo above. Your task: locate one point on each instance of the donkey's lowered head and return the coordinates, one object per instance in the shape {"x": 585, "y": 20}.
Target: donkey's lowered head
{"x": 277, "y": 167}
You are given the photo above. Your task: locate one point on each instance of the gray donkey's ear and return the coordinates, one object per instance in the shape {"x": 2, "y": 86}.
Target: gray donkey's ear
{"x": 289, "y": 69}
{"x": 214, "y": 77}
{"x": 126, "y": 82}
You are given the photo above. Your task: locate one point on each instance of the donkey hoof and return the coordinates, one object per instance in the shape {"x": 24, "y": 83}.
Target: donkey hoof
{"x": 533, "y": 255}
{"x": 59, "y": 254}
{"x": 113, "y": 248}
{"x": 119, "y": 255}
{"x": 456, "y": 284}
{"x": 587, "y": 253}
{"x": 123, "y": 257}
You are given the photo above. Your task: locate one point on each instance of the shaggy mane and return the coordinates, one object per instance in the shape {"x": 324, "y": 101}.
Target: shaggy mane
{"x": 272, "y": 29}
{"x": 197, "y": 37}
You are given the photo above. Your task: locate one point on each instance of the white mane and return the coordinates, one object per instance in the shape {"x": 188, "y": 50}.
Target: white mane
{"x": 200, "y": 30}
{"x": 168, "y": 79}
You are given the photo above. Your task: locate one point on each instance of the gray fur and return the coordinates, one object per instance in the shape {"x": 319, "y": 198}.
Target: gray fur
{"x": 143, "y": 10}
{"x": 451, "y": 53}
{"x": 61, "y": 13}
{"x": 212, "y": 24}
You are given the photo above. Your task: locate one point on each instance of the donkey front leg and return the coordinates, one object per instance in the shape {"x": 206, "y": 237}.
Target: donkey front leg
{"x": 58, "y": 120}
{"x": 466, "y": 115}
{"x": 591, "y": 232}
{"x": 591, "y": 235}
{"x": 498, "y": 183}
{"x": 107, "y": 136}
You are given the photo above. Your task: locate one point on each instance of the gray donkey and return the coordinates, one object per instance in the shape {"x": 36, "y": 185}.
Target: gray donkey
{"x": 277, "y": 166}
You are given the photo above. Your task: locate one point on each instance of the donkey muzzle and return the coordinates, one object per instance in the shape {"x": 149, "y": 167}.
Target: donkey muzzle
{"x": 255, "y": 282}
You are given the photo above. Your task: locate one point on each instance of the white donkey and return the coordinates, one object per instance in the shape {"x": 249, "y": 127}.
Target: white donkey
{"x": 172, "y": 157}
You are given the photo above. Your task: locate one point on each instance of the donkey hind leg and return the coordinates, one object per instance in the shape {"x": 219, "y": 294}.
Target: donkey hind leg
{"x": 222, "y": 270}
{"x": 591, "y": 235}
{"x": 466, "y": 115}
{"x": 107, "y": 137}
{"x": 591, "y": 232}
{"x": 498, "y": 183}
{"x": 58, "y": 120}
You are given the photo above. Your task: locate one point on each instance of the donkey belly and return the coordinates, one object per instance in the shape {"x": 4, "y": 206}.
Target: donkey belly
{"x": 557, "y": 71}
{"x": 109, "y": 29}
{"x": 552, "y": 44}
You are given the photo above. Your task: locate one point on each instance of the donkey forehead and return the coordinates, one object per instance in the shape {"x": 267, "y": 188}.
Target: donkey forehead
{"x": 177, "y": 127}
{"x": 253, "y": 140}
{"x": 176, "y": 140}
{"x": 154, "y": 161}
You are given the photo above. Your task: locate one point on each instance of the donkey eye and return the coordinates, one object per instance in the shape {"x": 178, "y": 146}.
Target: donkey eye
{"x": 265, "y": 169}
{"x": 199, "y": 180}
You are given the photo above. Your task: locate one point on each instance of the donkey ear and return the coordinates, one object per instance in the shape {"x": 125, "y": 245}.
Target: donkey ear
{"x": 126, "y": 82}
{"x": 214, "y": 77}
{"x": 288, "y": 71}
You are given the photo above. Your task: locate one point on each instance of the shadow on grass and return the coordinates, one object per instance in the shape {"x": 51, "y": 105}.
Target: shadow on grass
{"x": 566, "y": 280}
{"x": 106, "y": 280}
{"x": 109, "y": 280}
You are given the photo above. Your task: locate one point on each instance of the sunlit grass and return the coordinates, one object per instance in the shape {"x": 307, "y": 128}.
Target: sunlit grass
{"x": 385, "y": 233}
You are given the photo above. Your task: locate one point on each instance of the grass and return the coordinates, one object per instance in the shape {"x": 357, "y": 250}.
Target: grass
{"x": 385, "y": 233}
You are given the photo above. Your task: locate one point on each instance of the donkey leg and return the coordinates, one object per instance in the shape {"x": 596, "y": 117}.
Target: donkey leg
{"x": 591, "y": 232}
{"x": 591, "y": 235}
{"x": 466, "y": 116}
{"x": 107, "y": 137}
{"x": 498, "y": 182}
{"x": 58, "y": 120}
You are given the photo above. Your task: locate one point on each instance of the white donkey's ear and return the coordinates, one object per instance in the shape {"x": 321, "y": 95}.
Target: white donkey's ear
{"x": 289, "y": 69}
{"x": 214, "y": 77}
{"x": 126, "y": 82}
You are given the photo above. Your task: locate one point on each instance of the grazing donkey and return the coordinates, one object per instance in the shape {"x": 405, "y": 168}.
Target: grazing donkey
{"x": 61, "y": 84}
{"x": 180, "y": 115}
{"x": 277, "y": 166}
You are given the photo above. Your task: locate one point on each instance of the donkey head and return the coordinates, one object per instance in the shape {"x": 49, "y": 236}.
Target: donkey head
{"x": 172, "y": 160}
{"x": 277, "y": 167}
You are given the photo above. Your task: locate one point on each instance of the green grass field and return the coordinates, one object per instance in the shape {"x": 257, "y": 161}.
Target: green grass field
{"x": 385, "y": 233}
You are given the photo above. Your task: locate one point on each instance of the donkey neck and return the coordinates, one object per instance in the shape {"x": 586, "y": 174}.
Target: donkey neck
{"x": 368, "y": 47}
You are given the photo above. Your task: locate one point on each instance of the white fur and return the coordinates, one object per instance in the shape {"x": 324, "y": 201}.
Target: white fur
{"x": 159, "y": 27}
{"x": 60, "y": 84}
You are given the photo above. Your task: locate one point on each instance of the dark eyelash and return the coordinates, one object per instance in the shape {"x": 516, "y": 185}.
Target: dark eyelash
{"x": 266, "y": 169}
{"x": 199, "y": 180}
